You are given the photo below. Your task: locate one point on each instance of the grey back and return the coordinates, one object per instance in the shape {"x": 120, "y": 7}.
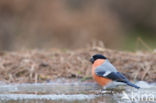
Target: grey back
{"x": 106, "y": 67}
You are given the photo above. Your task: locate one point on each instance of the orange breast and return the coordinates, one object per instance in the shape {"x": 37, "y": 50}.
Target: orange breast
{"x": 100, "y": 80}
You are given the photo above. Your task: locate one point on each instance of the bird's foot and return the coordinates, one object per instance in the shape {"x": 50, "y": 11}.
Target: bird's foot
{"x": 106, "y": 91}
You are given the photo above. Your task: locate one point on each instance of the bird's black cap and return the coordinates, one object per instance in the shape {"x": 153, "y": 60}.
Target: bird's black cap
{"x": 97, "y": 56}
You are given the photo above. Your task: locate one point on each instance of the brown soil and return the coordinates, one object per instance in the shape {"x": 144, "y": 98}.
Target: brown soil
{"x": 43, "y": 65}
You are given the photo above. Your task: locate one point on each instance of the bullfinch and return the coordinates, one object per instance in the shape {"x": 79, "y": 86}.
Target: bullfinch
{"x": 104, "y": 72}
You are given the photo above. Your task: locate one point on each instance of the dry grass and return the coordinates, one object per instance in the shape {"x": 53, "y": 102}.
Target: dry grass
{"x": 41, "y": 65}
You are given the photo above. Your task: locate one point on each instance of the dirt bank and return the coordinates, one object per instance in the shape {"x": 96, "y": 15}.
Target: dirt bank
{"x": 45, "y": 65}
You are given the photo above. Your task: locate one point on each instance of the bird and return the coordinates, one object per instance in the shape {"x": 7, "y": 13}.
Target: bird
{"x": 104, "y": 72}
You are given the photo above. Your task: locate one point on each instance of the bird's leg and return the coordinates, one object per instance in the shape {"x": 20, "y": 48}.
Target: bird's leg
{"x": 105, "y": 90}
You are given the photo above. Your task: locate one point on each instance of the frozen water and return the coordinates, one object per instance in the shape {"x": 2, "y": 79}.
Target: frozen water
{"x": 144, "y": 84}
{"x": 81, "y": 92}
{"x": 46, "y": 97}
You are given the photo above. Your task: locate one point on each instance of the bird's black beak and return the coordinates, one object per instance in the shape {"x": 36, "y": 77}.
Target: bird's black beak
{"x": 92, "y": 60}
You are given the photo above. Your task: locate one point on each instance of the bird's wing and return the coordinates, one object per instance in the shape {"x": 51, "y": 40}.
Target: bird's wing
{"x": 107, "y": 70}
{"x": 117, "y": 76}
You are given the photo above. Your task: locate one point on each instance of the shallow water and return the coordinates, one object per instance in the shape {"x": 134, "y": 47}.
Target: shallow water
{"x": 74, "y": 92}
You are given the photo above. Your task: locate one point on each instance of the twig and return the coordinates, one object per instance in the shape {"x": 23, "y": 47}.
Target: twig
{"x": 144, "y": 44}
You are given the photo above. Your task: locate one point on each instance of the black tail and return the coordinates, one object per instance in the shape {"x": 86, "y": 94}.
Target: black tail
{"x": 132, "y": 85}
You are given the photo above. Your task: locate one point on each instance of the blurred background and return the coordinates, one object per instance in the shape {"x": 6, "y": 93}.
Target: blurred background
{"x": 72, "y": 24}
